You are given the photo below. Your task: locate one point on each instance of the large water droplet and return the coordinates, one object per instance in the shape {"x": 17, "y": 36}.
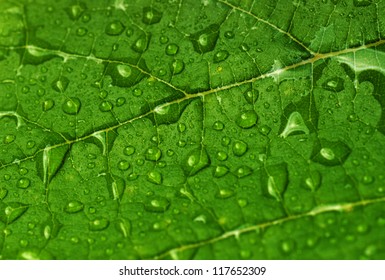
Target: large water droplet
{"x": 48, "y": 105}
{"x": 330, "y": 153}
{"x": 205, "y": 40}
{"x": 23, "y": 183}
{"x": 276, "y": 180}
{"x": 155, "y": 177}
{"x": 153, "y": 154}
{"x": 247, "y": 119}
{"x": 124, "y": 70}
{"x": 294, "y": 124}
{"x": 98, "y": 224}
{"x": 197, "y": 160}
{"x": 239, "y": 148}
{"x": 114, "y": 28}
{"x": 10, "y": 212}
{"x": 157, "y": 204}
{"x": 74, "y": 207}
{"x": 71, "y": 106}
{"x": 141, "y": 44}
{"x": 151, "y": 15}
{"x": 220, "y": 56}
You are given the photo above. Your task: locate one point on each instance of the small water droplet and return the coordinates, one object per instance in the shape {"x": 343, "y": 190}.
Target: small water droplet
{"x": 9, "y": 139}
{"x": 225, "y": 141}
{"x": 81, "y": 31}
{"x": 335, "y": 84}
{"x": 288, "y": 246}
{"x": 225, "y": 193}
{"x": 137, "y": 92}
{"x": 229, "y": 34}
{"x": 264, "y": 130}
{"x": 367, "y": 179}
{"x": 157, "y": 204}
{"x": 222, "y": 156}
{"x": 30, "y": 144}
{"x": 197, "y": 160}
{"x": 220, "y": 171}
{"x": 163, "y": 39}
{"x": 251, "y": 96}
{"x": 313, "y": 180}
{"x": 242, "y": 202}
{"x": 243, "y": 171}
{"x": 60, "y": 85}
{"x": 244, "y": 47}
{"x": 48, "y": 105}
{"x": 120, "y": 101}
{"x": 151, "y": 15}
{"x": 3, "y": 193}
{"x": 71, "y": 106}
{"x": 177, "y": 66}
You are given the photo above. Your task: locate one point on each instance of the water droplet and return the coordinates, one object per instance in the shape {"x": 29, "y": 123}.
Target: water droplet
{"x": 294, "y": 124}
{"x": 362, "y": 3}
{"x": 60, "y": 84}
{"x": 71, "y": 106}
{"x": 264, "y": 130}
{"x": 74, "y": 207}
{"x": 222, "y": 156}
{"x": 153, "y": 154}
{"x": 247, "y": 119}
{"x": 220, "y": 56}
{"x": 239, "y": 148}
{"x": 177, "y": 66}
{"x": 137, "y": 92}
{"x": 229, "y": 34}
{"x": 276, "y": 180}
{"x": 218, "y": 125}
{"x": 120, "y": 101}
{"x": 367, "y": 179}
{"x": 313, "y": 180}
{"x": 251, "y": 96}
{"x": 335, "y": 84}
{"x": 330, "y": 153}
{"x": 244, "y": 47}
{"x": 206, "y": 39}
{"x": 225, "y": 193}
{"x": 123, "y": 165}
{"x": 23, "y": 243}
{"x": 75, "y": 11}
{"x": 172, "y": 49}
{"x": 129, "y": 150}
{"x": 106, "y": 106}
{"x": 11, "y": 212}
{"x": 81, "y": 31}
{"x": 7, "y": 177}
{"x": 141, "y": 44}
{"x": 220, "y": 171}
{"x": 23, "y": 183}
{"x": 3, "y": 193}
{"x": 288, "y": 246}
{"x": 25, "y": 89}
{"x": 48, "y": 105}
{"x": 114, "y": 28}
{"x": 242, "y": 202}
{"x": 181, "y": 127}
{"x": 98, "y": 224}
{"x": 9, "y": 138}
{"x": 197, "y": 160}
{"x": 163, "y": 39}
{"x": 243, "y": 171}
{"x": 225, "y": 141}
{"x": 133, "y": 176}
{"x": 151, "y": 15}
{"x": 30, "y": 144}
{"x": 158, "y": 204}
{"x": 154, "y": 177}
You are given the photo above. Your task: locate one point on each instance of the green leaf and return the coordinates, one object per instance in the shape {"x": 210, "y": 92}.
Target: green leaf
{"x": 216, "y": 129}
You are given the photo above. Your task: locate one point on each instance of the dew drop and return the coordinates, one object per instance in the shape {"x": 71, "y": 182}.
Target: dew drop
{"x": 218, "y": 125}
{"x": 251, "y": 96}
{"x": 222, "y": 156}
{"x": 229, "y": 34}
{"x": 177, "y": 66}
{"x": 151, "y": 15}
{"x": 154, "y": 177}
{"x": 9, "y": 139}
{"x": 98, "y": 224}
{"x": 247, "y": 119}
{"x": 124, "y": 70}
{"x": 106, "y": 106}
{"x": 367, "y": 179}
{"x": 23, "y": 183}
{"x": 141, "y": 44}
{"x": 163, "y": 39}
{"x": 137, "y": 92}
{"x": 48, "y": 105}
{"x": 129, "y": 150}
{"x": 197, "y": 160}
{"x": 60, "y": 84}
{"x": 335, "y": 84}
{"x": 243, "y": 171}
{"x": 75, "y": 11}
{"x": 181, "y": 127}
{"x": 3, "y": 193}
{"x": 288, "y": 246}
{"x": 114, "y": 28}
{"x": 225, "y": 141}
{"x": 153, "y": 154}
{"x": 120, "y": 101}
{"x": 81, "y": 31}
{"x": 220, "y": 171}
{"x": 239, "y": 148}
{"x": 158, "y": 204}
{"x": 220, "y": 56}
{"x": 73, "y": 207}
{"x": 71, "y": 106}
{"x": 264, "y": 130}
{"x": 12, "y": 211}
{"x": 242, "y": 202}
{"x": 313, "y": 180}
{"x": 244, "y": 47}
{"x": 172, "y": 49}
{"x": 123, "y": 165}
{"x": 225, "y": 193}
{"x": 205, "y": 40}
